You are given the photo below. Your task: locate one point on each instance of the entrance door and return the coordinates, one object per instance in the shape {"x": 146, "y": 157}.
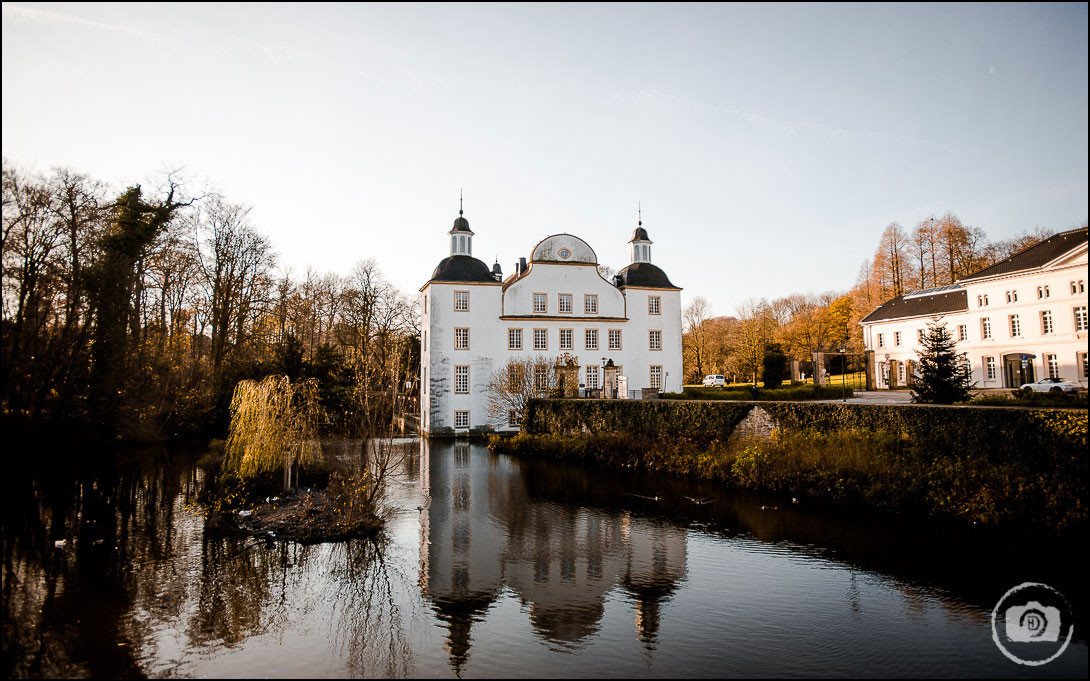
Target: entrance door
{"x": 1017, "y": 374}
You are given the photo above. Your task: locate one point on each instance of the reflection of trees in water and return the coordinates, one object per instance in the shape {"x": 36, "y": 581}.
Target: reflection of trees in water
{"x": 370, "y": 630}
{"x": 68, "y": 609}
{"x": 135, "y": 555}
{"x": 236, "y": 584}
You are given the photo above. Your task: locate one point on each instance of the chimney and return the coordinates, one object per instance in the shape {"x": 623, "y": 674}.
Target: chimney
{"x": 522, "y": 265}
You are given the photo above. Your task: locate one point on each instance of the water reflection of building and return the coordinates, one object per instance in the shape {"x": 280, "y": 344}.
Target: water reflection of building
{"x": 482, "y": 531}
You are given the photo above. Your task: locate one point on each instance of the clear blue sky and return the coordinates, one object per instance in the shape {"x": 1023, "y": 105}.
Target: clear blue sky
{"x": 769, "y": 145}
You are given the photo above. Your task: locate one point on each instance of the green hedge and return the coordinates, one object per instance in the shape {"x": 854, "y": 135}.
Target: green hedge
{"x": 1031, "y": 399}
{"x": 658, "y": 417}
{"x": 789, "y": 394}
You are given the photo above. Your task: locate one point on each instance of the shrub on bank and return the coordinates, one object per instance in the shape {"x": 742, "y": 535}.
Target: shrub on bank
{"x": 786, "y": 394}
{"x": 1031, "y": 399}
{"x": 987, "y": 466}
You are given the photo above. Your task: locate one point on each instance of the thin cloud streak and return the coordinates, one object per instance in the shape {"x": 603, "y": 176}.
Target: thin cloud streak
{"x": 781, "y": 126}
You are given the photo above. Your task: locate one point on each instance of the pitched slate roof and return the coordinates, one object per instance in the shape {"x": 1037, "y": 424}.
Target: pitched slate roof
{"x": 462, "y": 268}
{"x": 1035, "y": 256}
{"x": 917, "y": 306}
{"x": 645, "y": 275}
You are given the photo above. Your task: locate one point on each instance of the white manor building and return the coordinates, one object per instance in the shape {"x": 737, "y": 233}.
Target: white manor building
{"x": 1018, "y": 321}
{"x": 558, "y": 304}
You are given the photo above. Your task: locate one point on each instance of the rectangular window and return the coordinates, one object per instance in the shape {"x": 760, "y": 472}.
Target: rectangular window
{"x": 566, "y": 339}
{"x": 654, "y": 304}
{"x": 541, "y": 302}
{"x": 461, "y": 419}
{"x": 1080, "y": 362}
{"x": 963, "y": 332}
{"x": 426, "y": 304}
{"x": 881, "y": 340}
{"x": 461, "y": 380}
{"x": 919, "y": 336}
{"x": 614, "y": 339}
{"x": 541, "y": 339}
{"x": 986, "y": 328}
{"x": 591, "y": 339}
{"x": 514, "y": 420}
{"x": 1053, "y": 364}
{"x": 1080, "y": 318}
{"x": 590, "y": 304}
{"x": 514, "y": 339}
{"x": 1046, "y": 322}
{"x": 515, "y": 376}
{"x": 565, "y": 303}
{"x": 1016, "y": 326}
{"x": 461, "y": 301}
{"x": 989, "y": 368}
{"x": 656, "y": 377}
{"x": 592, "y": 377}
{"x": 901, "y": 373}
{"x": 655, "y": 339}
{"x": 897, "y": 338}
{"x": 461, "y": 339}
{"x": 541, "y": 377}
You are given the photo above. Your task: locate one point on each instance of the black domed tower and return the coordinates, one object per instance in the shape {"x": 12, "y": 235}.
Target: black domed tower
{"x": 641, "y": 273}
{"x": 461, "y": 265}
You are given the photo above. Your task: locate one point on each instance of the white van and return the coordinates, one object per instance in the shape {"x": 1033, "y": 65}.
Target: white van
{"x": 712, "y": 380}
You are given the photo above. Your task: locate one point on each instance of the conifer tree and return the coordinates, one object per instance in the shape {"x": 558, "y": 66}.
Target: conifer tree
{"x": 942, "y": 375}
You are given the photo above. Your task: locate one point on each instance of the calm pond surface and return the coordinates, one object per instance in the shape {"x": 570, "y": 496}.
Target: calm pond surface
{"x": 496, "y": 566}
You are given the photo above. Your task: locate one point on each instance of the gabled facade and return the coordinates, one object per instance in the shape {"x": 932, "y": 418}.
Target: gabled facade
{"x": 1020, "y": 320}
{"x": 557, "y": 304}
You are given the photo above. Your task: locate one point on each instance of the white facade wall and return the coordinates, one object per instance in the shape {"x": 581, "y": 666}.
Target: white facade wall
{"x": 438, "y": 358}
{"x": 495, "y": 309}
{"x": 1066, "y": 282}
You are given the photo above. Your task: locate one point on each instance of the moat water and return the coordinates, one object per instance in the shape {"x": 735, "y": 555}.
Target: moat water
{"x": 496, "y": 566}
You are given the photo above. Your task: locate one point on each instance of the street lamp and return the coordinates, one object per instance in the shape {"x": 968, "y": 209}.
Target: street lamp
{"x": 843, "y": 374}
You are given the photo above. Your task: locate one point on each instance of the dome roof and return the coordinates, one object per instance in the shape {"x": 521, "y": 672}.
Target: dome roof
{"x": 639, "y": 234}
{"x": 462, "y": 268}
{"x": 461, "y": 225}
{"x": 644, "y": 275}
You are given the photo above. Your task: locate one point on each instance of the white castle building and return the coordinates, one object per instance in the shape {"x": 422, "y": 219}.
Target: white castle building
{"x": 1018, "y": 321}
{"x": 558, "y": 304}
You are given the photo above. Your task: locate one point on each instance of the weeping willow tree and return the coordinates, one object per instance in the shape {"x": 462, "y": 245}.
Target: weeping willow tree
{"x": 274, "y": 426}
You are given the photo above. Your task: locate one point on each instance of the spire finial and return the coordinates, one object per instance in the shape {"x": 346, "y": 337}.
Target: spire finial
{"x": 639, "y": 212}
{"x": 459, "y": 202}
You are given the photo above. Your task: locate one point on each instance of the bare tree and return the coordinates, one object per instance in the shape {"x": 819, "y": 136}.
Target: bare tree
{"x": 234, "y": 262}
{"x": 517, "y": 382}
{"x": 695, "y": 335}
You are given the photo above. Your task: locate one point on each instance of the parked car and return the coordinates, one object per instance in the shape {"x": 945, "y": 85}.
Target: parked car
{"x": 1051, "y": 385}
{"x": 712, "y": 380}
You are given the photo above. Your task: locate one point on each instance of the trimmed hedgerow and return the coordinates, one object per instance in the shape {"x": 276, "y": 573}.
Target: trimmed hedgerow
{"x": 703, "y": 420}
{"x": 991, "y": 466}
{"x": 785, "y": 394}
{"x": 1031, "y": 399}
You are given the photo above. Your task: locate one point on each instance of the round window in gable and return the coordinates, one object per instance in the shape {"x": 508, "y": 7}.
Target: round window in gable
{"x": 565, "y": 253}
